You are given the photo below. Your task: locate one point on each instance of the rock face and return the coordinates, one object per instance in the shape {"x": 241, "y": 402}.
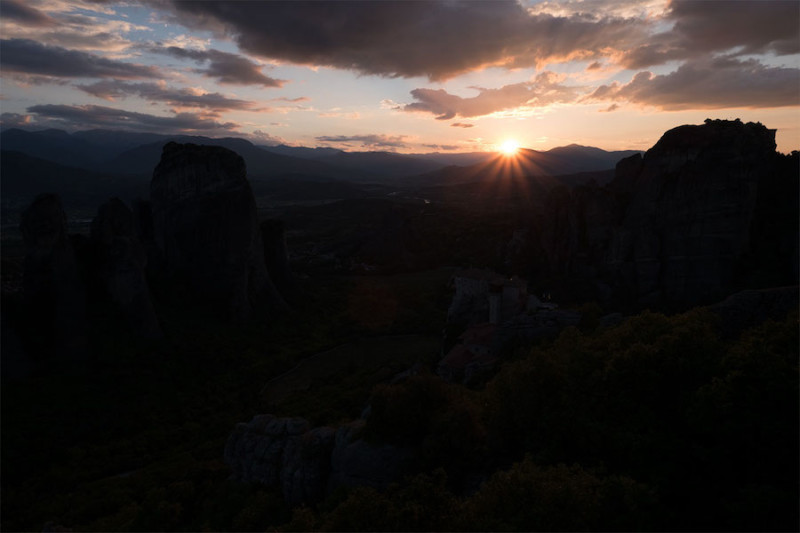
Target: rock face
{"x": 305, "y": 463}
{"x": 121, "y": 266}
{"x": 682, "y": 225}
{"x": 206, "y": 227}
{"x": 356, "y": 462}
{"x": 282, "y": 452}
{"x": 54, "y": 292}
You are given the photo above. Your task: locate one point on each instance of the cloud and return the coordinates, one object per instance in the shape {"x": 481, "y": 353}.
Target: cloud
{"x": 709, "y": 84}
{"x": 368, "y": 141}
{"x": 544, "y": 90}
{"x": 446, "y": 147}
{"x": 462, "y": 125}
{"x": 609, "y": 109}
{"x": 159, "y": 92}
{"x": 14, "y": 120}
{"x": 701, "y": 28}
{"x": 66, "y": 26}
{"x": 30, "y": 57}
{"x": 262, "y": 137}
{"x": 223, "y": 66}
{"x": 387, "y": 103}
{"x": 436, "y": 39}
{"x": 291, "y": 100}
{"x": 26, "y": 15}
{"x": 618, "y": 8}
{"x": 93, "y": 116}
{"x": 338, "y": 113}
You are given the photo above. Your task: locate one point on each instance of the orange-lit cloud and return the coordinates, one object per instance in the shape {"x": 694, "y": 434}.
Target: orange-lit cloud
{"x": 544, "y": 90}
{"x": 436, "y": 39}
{"x": 709, "y": 84}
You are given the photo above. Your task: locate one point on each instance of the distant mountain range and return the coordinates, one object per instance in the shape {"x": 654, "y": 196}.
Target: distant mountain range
{"x": 55, "y": 160}
{"x": 568, "y": 165}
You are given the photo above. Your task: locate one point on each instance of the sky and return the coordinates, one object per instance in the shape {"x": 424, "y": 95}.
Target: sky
{"x": 408, "y": 76}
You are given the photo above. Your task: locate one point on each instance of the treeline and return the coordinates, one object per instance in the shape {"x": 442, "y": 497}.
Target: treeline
{"x": 656, "y": 424}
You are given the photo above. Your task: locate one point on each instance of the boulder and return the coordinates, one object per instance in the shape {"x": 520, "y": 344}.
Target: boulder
{"x": 205, "y": 226}
{"x": 121, "y": 266}
{"x": 54, "y": 291}
{"x": 307, "y": 463}
{"x": 356, "y": 462}
{"x": 284, "y": 453}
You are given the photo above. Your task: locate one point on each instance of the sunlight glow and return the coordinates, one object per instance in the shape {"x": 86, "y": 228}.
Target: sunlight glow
{"x": 509, "y": 147}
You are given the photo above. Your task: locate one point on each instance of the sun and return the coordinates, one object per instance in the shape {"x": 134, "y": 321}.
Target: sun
{"x": 509, "y": 147}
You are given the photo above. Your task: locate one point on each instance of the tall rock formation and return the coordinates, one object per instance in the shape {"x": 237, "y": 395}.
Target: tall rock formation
{"x": 53, "y": 288}
{"x": 121, "y": 265}
{"x": 683, "y": 225}
{"x": 206, "y": 227}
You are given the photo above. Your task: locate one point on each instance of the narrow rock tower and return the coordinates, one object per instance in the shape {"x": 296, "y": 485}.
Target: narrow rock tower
{"x": 206, "y": 227}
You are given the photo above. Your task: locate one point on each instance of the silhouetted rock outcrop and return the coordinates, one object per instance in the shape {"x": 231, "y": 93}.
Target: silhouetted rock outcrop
{"x": 53, "y": 288}
{"x": 121, "y": 265}
{"x": 284, "y": 453}
{"x": 206, "y": 227}
{"x": 306, "y": 463}
{"x": 684, "y": 224}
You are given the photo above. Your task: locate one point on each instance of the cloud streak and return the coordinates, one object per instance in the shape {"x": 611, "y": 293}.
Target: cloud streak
{"x": 30, "y": 57}
{"x": 367, "y": 141}
{"x": 223, "y": 66}
{"x": 26, "y": 15}
{"x": 93, "y": 116}
{"x": 159, "y": 92}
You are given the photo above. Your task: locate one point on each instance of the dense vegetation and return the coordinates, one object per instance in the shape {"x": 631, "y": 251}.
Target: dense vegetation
{"x": 660, "y": 423}
{"x": 657, "y": 424}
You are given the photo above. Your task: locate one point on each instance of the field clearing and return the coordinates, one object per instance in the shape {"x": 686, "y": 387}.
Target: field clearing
{"x": 335, "y": 383}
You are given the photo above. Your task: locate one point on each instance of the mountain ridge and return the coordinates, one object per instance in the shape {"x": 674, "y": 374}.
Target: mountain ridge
{"x": 137, "y": 153}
